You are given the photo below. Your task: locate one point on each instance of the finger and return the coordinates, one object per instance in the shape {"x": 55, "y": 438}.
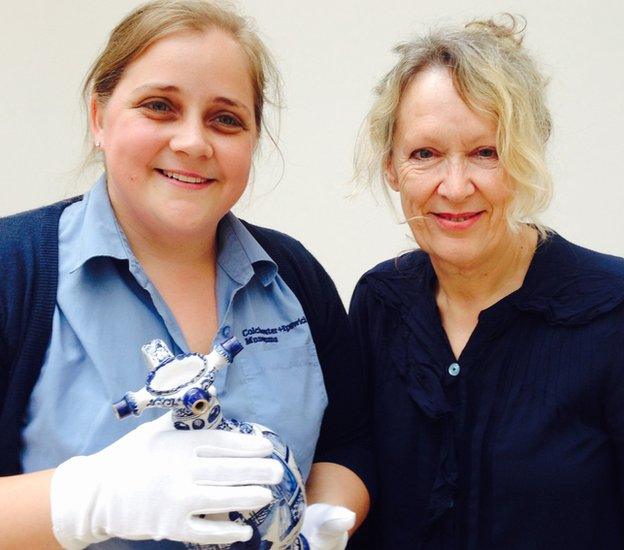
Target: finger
{"x": 336, "y": 520}
{"x": 333, "y": 542}
{"x": 218, "y": 443}
{"x": 163, "y": 423}
{"x": 218, "y": 500}
{"x": 207, "y": 531}
{"x": 237, "y": 471}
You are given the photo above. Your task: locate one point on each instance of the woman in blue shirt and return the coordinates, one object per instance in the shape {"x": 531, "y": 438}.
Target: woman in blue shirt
{"x": 495, "y": 350}
{"x": 175, "y": 107}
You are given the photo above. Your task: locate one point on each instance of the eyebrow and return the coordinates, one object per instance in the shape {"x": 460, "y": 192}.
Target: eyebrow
{"x": 230, "y": 102}
{"x": 429, "y": 137}
{"x": 157, "y": 86}
{"x": 171, "y": 88}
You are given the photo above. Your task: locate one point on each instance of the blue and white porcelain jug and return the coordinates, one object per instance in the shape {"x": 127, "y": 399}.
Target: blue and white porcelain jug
{"x": 184, "y": 384}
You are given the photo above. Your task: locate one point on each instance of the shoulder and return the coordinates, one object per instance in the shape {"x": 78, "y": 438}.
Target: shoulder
{"x": 29, "y": 253}
{"x": 301, "y": 271}
{"x": 575, "y": 257}
{"x": 303, "y": 274}
{"x": 278, "y": 243}
{"x": 571, "y": 284}
{"x": 293, "y": 259}
{"x": 409, "y": 264}
{"x": 34, "y": 217}
{"x": 396, "y": 281}
{"x": 26, "y": 231}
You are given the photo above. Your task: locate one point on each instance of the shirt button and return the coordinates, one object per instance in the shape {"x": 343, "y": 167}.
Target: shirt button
{"x": 226, "y": 331}
{"x": 454, "y": 369}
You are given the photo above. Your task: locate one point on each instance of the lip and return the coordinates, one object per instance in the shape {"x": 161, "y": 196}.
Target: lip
{"x": 457, "y": 221}
{"x": 186, "y": 174}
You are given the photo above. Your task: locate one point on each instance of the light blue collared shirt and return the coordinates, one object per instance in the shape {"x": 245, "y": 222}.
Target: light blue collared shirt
{"x": 107, "y": 308}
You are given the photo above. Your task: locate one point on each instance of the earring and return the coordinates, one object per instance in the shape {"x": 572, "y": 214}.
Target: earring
{"x": 98, "y": 145}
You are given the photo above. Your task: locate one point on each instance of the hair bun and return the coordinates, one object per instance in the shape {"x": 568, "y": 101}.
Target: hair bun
{"x": 507, "y": 27}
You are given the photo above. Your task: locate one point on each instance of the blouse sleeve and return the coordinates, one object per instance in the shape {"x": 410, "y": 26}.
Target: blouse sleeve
{"x": 345, "y": 431}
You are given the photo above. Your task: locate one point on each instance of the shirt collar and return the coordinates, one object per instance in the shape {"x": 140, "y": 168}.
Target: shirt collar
{"x": 99, "y": 233}
{"x": 240, "y": 255}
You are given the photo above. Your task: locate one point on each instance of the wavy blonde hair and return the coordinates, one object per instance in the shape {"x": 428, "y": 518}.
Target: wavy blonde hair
{"x": 157, "y": 19}
{"x": 495, "y": 76}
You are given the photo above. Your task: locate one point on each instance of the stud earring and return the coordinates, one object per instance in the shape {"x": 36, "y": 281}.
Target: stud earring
{"x": 98, "y": 144}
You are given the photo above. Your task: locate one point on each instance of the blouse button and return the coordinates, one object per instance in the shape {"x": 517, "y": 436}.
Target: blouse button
{"x": 226, "y": 331}
{"x": 454, "y": 369}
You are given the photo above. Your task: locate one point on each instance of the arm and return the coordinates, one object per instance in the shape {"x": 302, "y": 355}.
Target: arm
{"x": 129, "y": 490}
{"x": 29, "y": 525}
{"x": 334, "y": 484}
{"x": 27, "y": 521}
{"x": 342, "y": 473}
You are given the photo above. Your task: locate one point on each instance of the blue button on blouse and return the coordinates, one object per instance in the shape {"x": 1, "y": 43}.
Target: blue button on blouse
{"x": 454, "y": 369}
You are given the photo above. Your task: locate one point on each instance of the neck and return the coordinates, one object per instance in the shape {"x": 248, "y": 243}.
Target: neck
{"x": 183, "y": 252}
{"x": 476, "y": 287}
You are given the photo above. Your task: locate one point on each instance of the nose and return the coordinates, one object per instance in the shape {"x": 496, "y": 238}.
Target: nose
{"x": 456, "y": 184}
{"x": 192, "y": 138}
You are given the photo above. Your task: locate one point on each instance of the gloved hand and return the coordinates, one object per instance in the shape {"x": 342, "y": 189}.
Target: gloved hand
{"x": 325, "y": 526}
{"x": 154, "y": 482}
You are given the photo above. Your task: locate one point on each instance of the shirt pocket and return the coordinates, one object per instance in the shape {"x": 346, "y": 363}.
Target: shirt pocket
{"x": 287, "y": 393}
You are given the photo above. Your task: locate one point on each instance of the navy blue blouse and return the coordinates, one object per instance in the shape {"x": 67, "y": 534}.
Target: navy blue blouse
{"x": 519, "y": 442}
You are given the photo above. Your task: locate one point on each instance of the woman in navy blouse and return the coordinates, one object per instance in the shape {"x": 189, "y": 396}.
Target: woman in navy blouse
{"x": 495, "y": 351}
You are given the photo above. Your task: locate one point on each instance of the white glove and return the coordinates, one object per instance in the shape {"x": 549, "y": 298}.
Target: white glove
{"x": 325, "y": 526}
{"x": 154, "y": 483}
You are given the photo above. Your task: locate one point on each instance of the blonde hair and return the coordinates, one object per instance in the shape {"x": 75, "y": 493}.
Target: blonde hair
{"x": 157, "y": 19}
{"x": 495, "y": 76}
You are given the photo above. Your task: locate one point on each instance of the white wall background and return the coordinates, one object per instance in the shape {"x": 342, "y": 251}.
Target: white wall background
{"x": 330, "y": 53}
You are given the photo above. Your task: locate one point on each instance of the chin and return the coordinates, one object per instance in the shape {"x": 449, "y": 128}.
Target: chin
{"x": 183, "y": 223}
{"x": 457, "y": 252}
{"x": 192, "y": 213}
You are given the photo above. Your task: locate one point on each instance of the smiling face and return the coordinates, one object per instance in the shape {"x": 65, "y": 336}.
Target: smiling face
{"x": 178, "y": 135}
{"x": 444, "y": 163}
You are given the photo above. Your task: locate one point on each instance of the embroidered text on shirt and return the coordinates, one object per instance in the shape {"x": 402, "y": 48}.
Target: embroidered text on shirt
{"x": 264, "y": 334}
